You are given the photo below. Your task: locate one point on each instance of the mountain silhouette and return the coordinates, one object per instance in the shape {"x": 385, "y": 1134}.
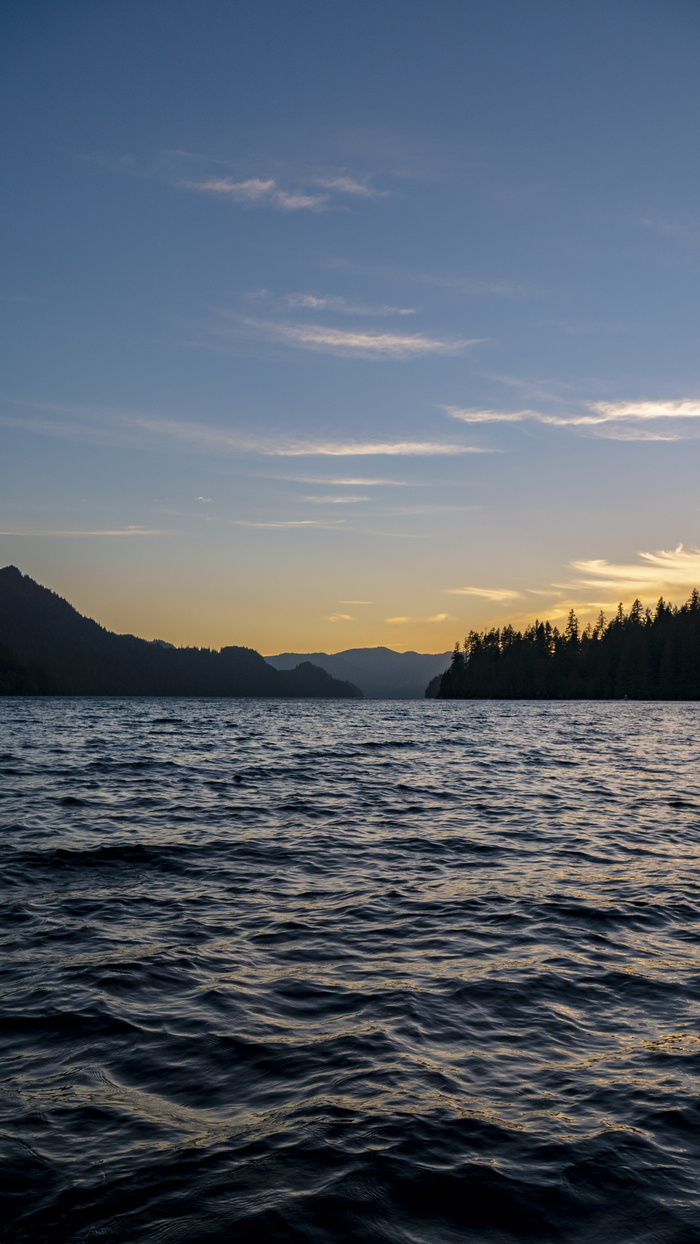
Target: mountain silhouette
{"x": 47, "y": 647}
{"x": 380, "y": 673}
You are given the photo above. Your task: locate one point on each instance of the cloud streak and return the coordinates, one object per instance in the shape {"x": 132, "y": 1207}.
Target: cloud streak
{"x": 350, "y": 185}
{"x": 114, "y": 427}
{"x": 666, "y": 570}
{"x": 346, "y": 342}
{"x": 258, "y": 193}
{"x": 335, "y": 302}
{"x": 267, "y": 191}
{"x": 121, "y": 531}
{"x": 488, "y": 593}
{"x": 600, "y": 584}
{"x": 292, "y": 522}
{"x": 347, "y": 500}
{"x": 335, "y": 482}
{"x": 352, "y": 449}
{"x": 218, "y": 439}
{"x": 404, "y": 620}
{"x": 616, "y": 420}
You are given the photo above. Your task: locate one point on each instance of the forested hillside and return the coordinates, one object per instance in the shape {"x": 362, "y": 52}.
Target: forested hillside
{"x": 47, "y": 647}
{"x": 641, "y": 655}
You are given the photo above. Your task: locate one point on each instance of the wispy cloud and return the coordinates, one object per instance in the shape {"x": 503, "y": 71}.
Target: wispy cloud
{"x": 92, "y": 430}
{"x": 355, "y": 602}
{"x": 296, "y": 190}
{"x": 52, "y": 531}
{"x": 99, "y": 423}
{"x": 292, "y": 522}
{"x": 355, "y": 482}
{"x": 346, "y": 500}
{"x": 610, "y": 411}
{"x": 597, "y": 584}
{"x": 346, "y": 342}
{"x": 479, "y": 415}
{"x": 489, "y": 593}
{"x": 666, "y": 570}
{"x": 352, "y": 449}
{"x": 339, "y": 617}
{"x": 398, "y": 510}
{"x": 535, "y": 388}
{"x": 336, "y": 302}
{"x": 259, "y": 193}
{"x": 302, "y": 191}
{"x": 614, "y": 420}
{"x": 633, "y": 432}
{"x": 404, "y": 620}
{"x": 350, "y": 185}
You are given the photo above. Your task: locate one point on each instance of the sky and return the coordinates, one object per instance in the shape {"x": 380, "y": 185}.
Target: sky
{"x": 350, "y": 322}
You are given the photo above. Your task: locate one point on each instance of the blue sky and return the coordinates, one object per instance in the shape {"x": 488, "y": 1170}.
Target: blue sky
{"x": 329, "y": 324}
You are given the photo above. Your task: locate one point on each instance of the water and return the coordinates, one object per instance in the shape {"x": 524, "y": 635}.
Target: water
{"x": 387, "y": 972}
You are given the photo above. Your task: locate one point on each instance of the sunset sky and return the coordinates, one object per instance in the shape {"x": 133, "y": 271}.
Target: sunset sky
{"x": 331, "y": 323}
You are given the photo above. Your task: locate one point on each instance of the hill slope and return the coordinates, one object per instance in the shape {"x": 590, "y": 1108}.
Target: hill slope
{"x": 380, "y": 673}
{"x": 50, "y": 647}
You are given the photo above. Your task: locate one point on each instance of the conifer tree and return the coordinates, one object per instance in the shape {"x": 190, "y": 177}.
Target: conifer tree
{"x": 640, "y": 655}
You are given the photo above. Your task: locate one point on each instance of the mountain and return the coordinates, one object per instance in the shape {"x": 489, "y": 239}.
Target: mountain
{"x": 380, "y": 673}
{"x": 47, "y": 647}
{"x": 19, "y": 679}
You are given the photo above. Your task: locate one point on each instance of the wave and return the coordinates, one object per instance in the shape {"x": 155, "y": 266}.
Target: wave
{"x": 293, "y": 972}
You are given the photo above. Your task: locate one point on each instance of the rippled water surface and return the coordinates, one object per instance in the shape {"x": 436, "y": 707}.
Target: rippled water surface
{"x": 397, "y": 972}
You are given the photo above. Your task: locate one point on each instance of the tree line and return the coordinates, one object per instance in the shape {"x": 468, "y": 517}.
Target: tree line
{"x": 16, "y": 678}
{"x": 640, "y": 655}
{"x": 48, "y": 648}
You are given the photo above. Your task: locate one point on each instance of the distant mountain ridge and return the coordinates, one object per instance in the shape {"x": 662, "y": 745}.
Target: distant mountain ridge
{"x": 47, "y": 647}
{"x": 380, "y": 673}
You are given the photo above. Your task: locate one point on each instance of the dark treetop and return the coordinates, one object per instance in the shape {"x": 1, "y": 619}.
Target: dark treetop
{"x": 47, "y": 647}
{"x": 639, "y": 656}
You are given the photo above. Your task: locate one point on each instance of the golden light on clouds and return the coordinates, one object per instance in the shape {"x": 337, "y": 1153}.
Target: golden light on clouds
{"x": 488, "y": 593}
{"x": 625, "y": 420}
{"x": 666, "y": 571}
{"x": 404, "y": 620}
{"x": 596, "y": 585}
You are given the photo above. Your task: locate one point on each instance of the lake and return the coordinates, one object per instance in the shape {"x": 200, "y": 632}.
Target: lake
{"x": 385, "y": 972}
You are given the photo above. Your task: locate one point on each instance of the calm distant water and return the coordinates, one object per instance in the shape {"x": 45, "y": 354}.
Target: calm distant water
{"x": 381, "y": 973}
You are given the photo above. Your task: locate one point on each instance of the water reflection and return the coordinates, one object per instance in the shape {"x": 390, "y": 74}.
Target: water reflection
{"x": 344, "y": 971}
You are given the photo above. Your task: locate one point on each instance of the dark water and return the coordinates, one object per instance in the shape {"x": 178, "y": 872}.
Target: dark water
{"x": 409, "y": 973}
